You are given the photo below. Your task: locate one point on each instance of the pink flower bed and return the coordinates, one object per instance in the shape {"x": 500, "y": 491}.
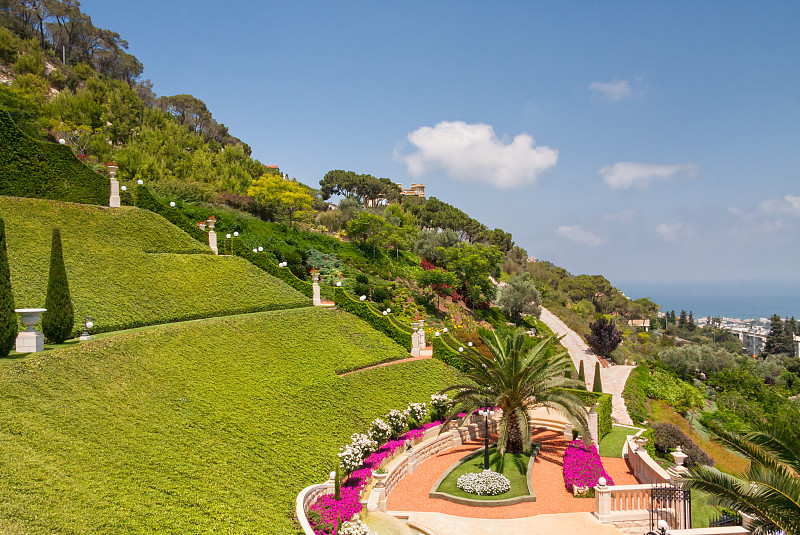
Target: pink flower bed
{"x": 582, "y": 466}
{"x": 330, "y": 510}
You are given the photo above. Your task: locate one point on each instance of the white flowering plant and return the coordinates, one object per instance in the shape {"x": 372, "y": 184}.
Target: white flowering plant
{"x": 485, "y": 483}
{"x": 440, "y": 404}
{"x": 416, "y": 413}
{"x": 397, "y": 421}
{"x": 352, "y": 455}
{"x": 355, "y": 527}
{"x": 380, "y": 431}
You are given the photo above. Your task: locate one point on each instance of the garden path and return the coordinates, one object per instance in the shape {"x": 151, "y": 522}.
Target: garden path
{"x": 391, "y": 362}
{"x": 411, "y": 493}
{"x": 612, "y": 376}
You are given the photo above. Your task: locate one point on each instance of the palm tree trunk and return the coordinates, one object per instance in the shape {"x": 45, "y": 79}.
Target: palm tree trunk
{"x": 514, "y": 436}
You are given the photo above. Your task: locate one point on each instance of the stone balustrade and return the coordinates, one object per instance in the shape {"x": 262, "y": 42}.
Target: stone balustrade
{"x": 644, "y": 467}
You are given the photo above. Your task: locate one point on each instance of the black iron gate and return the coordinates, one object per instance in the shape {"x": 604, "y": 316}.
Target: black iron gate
{"x": 671, "y": 504}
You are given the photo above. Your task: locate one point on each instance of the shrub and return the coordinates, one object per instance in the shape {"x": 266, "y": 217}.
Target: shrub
{"x": 380, "y": 431}
{"x": 581, "y": 374}
{"x": 440, "y": 404}
{"x": 31, "y": 168}
{"x": 397, "y": 420}
{"x": 57, "y": 321}
{"x": 416, "y": 413}
{"x": 667, "y": 437}
{"x": 634, "y": 393}
{"x": 8, "y": 319}
{"x": 603, "y": 402}
{"x": 597, "y": 385}
{"x": 484, "y": 483}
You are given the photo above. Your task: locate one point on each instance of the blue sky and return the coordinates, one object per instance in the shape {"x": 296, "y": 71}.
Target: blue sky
{"x": 645, "y": 141}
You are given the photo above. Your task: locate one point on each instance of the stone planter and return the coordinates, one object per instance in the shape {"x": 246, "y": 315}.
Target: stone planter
{"x": 30, "y": 340}
{"x": 579, "y": 490}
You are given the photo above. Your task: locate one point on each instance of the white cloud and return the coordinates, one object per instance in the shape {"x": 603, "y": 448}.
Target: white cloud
{"x": 626, "y": 175}
{"x": 473, "y": 152}
{"x": 613, "y": 91}
{"x": 672, "y": 231}
{"x": 579, "y": 235}
{"x": 790, "y": 205}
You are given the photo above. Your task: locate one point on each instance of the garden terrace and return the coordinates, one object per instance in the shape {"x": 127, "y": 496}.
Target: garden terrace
{"x": 129, "y": 267}
{"x": 215, "y": 424}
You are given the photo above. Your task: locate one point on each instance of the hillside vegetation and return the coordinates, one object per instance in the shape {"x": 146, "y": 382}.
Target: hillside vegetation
{"x": 129, "y": 267}
{"x": 204, "y": 427}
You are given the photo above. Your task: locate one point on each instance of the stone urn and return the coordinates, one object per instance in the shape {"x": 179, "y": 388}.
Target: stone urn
{"x": 29, "y": 340}
{"x": 380, "y": 479}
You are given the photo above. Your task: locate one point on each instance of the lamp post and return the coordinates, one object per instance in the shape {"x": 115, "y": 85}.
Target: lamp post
{"x": 486, "y": 411}
{"x": 87, "y": 324}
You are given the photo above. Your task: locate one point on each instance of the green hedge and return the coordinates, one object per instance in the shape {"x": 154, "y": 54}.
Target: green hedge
{"x": 32, "y": 168}
{"x": 603, "y": 409}
{"x": 260, "y": 260}
{"x": 635, "y": 393}
{"x": 444, "y": 352}
{"x": 145, "y": 200}
{"x": 382, "y": 323}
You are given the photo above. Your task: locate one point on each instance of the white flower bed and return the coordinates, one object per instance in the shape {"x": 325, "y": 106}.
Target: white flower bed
{"x": 486, "y": 483}
{"x": 416, "y": 411}
{"x": 355, "y": 527}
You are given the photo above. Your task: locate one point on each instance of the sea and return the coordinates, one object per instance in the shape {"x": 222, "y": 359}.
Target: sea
{"x": 726, "y": 299}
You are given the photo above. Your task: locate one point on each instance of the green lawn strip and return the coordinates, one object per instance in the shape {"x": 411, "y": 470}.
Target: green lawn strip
{"x": 702, "y": 509}
{"x": 128, "y": 267}
{"x": 611, "y": 444}
{"x": 513, "y": 466}
{"x": 201, "y": 427}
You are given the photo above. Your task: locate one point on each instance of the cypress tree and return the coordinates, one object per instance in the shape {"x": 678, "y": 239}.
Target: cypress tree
{"x": 598, "y": 384}
{"x": 8, "y": 319}
{"x": 58, "y": 320}
{"x": 581, "y": 374}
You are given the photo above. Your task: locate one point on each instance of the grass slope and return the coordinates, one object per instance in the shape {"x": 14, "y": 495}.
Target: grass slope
{"x": 129, "y": 267}
{"x": 203, "y": 427}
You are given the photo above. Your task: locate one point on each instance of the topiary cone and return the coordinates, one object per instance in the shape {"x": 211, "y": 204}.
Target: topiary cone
{"x": 581, "y": 374}
{"x": 57, "y": 322}
{"x": 598, "y": 384}
{"x": 8, "y": 318}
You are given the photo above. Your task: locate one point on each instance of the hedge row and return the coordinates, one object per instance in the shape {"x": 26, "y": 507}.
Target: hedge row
{"x": 635, "y": 394}
{"x": 380, "y": 322}
{"x": 603, "y": 408}
{"x": 448, "y": 355}
{"x": 145, "y": 200}
{"x": 238, "y": 248}
{"x": 32, "y": 168}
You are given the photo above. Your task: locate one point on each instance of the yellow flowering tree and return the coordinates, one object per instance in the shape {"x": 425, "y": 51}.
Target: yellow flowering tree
{"x": 289, "y": 194}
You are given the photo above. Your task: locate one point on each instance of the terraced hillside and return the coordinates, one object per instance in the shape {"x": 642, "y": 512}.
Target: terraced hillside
{"x": 203, "y": 427}
{"x": 129, "y": 267}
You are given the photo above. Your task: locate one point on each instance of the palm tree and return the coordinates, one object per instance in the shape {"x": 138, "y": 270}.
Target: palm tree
{"x": 517, "y": 380}
{"x": 770, "y": 489}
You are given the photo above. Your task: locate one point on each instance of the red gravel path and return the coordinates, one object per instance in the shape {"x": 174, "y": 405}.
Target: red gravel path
{"x": 411, "y": 493}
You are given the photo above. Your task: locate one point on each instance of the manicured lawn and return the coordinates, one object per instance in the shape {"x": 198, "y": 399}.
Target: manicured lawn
{"x": 202, "y": 427}
{"x": 128, "y": 267}
{"x": 611, "y": 444}
{"x": 513, "y": 466}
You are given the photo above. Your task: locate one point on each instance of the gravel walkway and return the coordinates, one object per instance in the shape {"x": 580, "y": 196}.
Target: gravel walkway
{"x": 411, "y": 493}
{"x": 613, "y": 377}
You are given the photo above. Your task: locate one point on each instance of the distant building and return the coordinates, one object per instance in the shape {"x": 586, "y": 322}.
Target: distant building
{"x": 416, "y": 190}
{"x": 640, "y": 324}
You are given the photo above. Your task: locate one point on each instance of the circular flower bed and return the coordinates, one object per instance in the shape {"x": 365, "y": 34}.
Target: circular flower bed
{"x": 486, "y": 483}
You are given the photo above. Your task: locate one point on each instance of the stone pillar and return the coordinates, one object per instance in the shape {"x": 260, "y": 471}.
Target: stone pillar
{"x": 602, "y": 501}
{"x": 593, "y": 425}
{"x": 568, "y": 432}
{"x": 421, "y": 337}
{"x": 678, "y": 469}
{"x": 113, "y": 200}
{"x": 317, "y": 300}
{"x": 212, "y": 236}
{"x": 412, "y": 461}
{"x": 456, "y": 434}
{"x": 414, "y": 340}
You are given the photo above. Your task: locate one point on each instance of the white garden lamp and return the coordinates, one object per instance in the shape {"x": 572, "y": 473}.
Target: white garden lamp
{"x": 235, "y": 234}
{"x": 362, "y": 298}
{"x": 140, "y": 181}
{"x": 469, "y": 344}
{"x": 228, "y": 236}
{"x": 460, "y": 349}
{"x": 172, "y": 204}
{"x": 124, "y": 188}
{"x": 444, "y": 330}
{"x": 486, "y": 411}
{"x": 87, "y": 324}
{"x": 338, "y": 284}
{"x": 260, "y": 249}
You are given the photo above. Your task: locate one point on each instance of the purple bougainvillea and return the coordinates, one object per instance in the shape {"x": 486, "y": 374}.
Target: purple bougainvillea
{"x": 349, "y": 504}
{"x": 582, "y": 466}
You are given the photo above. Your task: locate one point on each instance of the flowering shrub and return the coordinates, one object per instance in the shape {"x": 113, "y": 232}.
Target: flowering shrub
{"x": 324, "y": 513}
{"x": 416, "y": 412}
{"x": 440, "y": 404}
{"x": 380, "y": 431}
{"x": 397, "y": 421}
{"x": 582, "y": 466}
{"x": 355, "y": 527}
{"x": 486, "y": 483}
{"x": 352, "y": 455}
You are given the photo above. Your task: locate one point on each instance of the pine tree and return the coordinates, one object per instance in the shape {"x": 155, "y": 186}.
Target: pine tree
{"x": 683, "y": 322}
{"x": 8, "y": 319}
{"x": 597, "y": 386}
{"x": 691, "y": 325}
{"x": 58, "y": 320}
{"x": 581, "y": 374}
{"x": 779, "y": 340}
